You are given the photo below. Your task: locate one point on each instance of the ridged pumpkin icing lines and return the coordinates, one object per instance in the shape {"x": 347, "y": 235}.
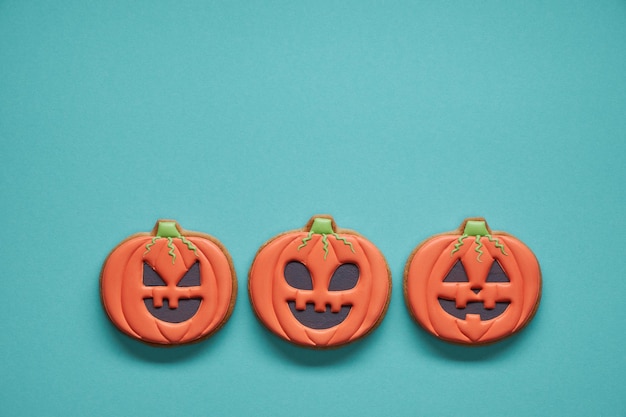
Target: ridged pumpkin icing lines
{"x": 322, "y": 226}
{"x": 477, "y": 228}
{"x": 169, "y": 231}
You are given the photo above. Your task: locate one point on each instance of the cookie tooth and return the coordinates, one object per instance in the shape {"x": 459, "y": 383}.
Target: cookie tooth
{"x": 336, "y": 303}
{"x": 301, "y": 300}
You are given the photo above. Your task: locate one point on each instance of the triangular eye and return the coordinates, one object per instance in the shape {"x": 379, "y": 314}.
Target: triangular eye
{"x": 151, "y": 278}
{"x": 496, "y": 274}
{"x": 456, "y": 274}
{"x": 191, "y": 277}
{"x": 344, "y": 278}
{"x": 298, "y": 276}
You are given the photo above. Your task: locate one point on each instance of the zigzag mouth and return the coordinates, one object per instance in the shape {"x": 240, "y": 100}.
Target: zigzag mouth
{"x": 473, "y": 307}
{"x": 187, "y": 308}
{"x": 319, "y": 320}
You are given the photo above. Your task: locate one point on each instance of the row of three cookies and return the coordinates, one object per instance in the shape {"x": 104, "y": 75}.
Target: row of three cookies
{"x": 320, "y": 286}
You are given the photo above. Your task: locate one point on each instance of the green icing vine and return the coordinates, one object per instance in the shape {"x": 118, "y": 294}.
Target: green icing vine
{"x": 477, "y": 249}
{"x": 325, "y": 241}
{"x": 344, "y": 240}
{"x": 190, "y": 245}
{"x": 305, "y": 240}
{"x": 458, "y": 245}
{"x": 497, "y": 244}
{"x": 149, "y": 245}
{"x": 171, "y": 252}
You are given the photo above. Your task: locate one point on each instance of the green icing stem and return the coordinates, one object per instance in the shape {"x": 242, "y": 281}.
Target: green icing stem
{"x": 167, "y": 229}
{"x": 478, "y": 229}
{"x": 324, "y": 227}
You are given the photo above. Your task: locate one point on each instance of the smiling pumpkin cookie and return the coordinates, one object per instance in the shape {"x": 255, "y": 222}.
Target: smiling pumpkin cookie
{"x": 320, "y": 286}
{"x": 472, "y": 286}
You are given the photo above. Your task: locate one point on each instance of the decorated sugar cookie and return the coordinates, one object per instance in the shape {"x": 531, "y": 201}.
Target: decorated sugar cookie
{"x": 320, "y": 286}
{"x": 169, "y": 286}
{"x": 472, "y": 286}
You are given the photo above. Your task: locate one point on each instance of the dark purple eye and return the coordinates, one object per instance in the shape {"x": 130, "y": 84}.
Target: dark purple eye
{"x": 344, "y": 278}
{"x": 151, "y": 278}
{"x": 457, "y": 274}
{"x": 496, "y": 274}
{"x": 298, "y": 276}
{"x": 191, "y": 277}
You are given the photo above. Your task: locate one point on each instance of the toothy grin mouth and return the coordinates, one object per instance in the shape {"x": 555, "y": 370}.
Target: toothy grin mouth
{"x": 473, "y": 307}
{"x": 318, "y": 320}
{"x": 187, "y": 308}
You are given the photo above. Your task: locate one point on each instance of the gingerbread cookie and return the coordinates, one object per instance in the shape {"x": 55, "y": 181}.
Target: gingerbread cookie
{"x": 169, "y": 286}
{"x": 472, "y": 286}
{"x": 319, "y": 286}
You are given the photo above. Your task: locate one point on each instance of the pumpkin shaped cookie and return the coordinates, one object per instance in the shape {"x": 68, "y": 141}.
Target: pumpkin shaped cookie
{"x": 472, "y": 286}
{"x": 169, "y": 286}
{"x": 319, "y": 286}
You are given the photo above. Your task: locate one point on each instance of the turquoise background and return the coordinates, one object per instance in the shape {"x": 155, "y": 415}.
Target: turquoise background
{"x": 243, "y": 119}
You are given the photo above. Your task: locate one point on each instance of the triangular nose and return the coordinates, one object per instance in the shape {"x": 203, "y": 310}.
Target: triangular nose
{"x": 476, "y": 290}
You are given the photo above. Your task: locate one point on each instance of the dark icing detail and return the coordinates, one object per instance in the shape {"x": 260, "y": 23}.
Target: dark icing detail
{"x": 497, "y": 274}
{"x": 151, "y": 278}
{"x": 344, "y": 278}
{"x": 298, "y": 276}
{"x": 314, "y": 320}
{"x": 456, "y": 274}
{"x": 473, "y": 307}
{"x": 191, "y": 277}
{"x": 187, "y": 308}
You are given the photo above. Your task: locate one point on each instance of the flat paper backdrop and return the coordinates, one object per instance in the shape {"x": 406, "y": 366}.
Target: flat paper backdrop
{"x": 242, "y": 120}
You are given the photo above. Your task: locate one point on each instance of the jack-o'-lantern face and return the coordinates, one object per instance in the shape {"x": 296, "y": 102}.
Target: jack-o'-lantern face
{"x": 168, "y": 287}
{"x": 472, "y": 286}
{"x": 319, "y": 288}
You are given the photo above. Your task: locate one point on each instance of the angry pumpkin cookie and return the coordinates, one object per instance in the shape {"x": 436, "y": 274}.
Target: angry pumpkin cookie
{"x": 169, "y": 286}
